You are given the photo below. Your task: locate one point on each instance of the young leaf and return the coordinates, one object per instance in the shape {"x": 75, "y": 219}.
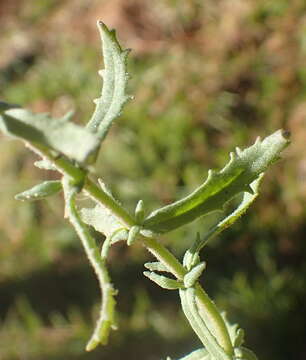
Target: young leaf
{"x": 194, "y": 274}
{"x": 104, "y": 222}
{"x": 220, "y": 187}
{"x": 163, "y": 281}
{"x": 156, "y": 266}
{"x": 40, "y": 191}
{"x": 235, "y": 332}
{"x": 71, "y": 140}
{"x": 192, "y": 255}
{"x": 115, "y": 76}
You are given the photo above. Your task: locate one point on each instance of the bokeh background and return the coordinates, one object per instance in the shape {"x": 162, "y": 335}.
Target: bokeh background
{"x": 206, "y": 76}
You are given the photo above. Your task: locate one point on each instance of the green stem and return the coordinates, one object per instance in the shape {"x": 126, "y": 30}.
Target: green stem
{"x": 205, "y": 304}
{"x": 100, "y": 196}
{"x": 106, "y": 318}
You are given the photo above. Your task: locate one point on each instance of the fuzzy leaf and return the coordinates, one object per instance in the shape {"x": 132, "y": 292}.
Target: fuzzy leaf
{"x": 156, "y": 266}
{"x": 163, "y": 281}
{"x": 115, "y": 77}
{"x": 235, "y": 332}
{"x": 220, "y": 187}
{"x": 104, "y": 222}
{"x": 69, "y": 139}
{"x": 194, "y": 274}
{"x": 192, "y": 255}
{"x": 40, "y": 191}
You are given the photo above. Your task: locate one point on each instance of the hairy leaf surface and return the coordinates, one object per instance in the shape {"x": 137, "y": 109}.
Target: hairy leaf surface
{"x": 115, "y": 77}
{"x": 220, "y": 187}
{"x": 61, "y": 135}
{"x": 104, "y": 222}
{"x": 40, "y": 191}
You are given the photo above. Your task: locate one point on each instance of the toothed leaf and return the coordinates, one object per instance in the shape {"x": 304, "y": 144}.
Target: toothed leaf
{"x": 40, "y": 191}
{"x": 69, "y": 139}
{"x": 220, "y": 187}
{"x": 115, "y": 77}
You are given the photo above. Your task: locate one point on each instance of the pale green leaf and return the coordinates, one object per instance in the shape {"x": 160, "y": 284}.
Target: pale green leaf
{"x": 71, "y": 140}
{"x": 220, "y": 187}
{"x": 156, "y": 266}
{"x": 163, "y": 281}
{"x": 40, "y": 191}
{"x": 104, "y": 222}
{"x": 235, "y": 332}
{"x": 194, "y": 274}
{"x": 115, "y": 77}
{"x": 191, "y": 257}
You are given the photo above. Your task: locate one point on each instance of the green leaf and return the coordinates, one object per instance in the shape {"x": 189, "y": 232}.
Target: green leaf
{"x": 235, "y": 332}
{"x": 156, "y": 266}
{"x": 194, "y": 274}
{"x": 104, "y": 222}
{"x": 69, "y": 139}
{"x": 220, "y": 187}
{"x": 40, "y": 191}
{"x": 115, "y": 77}
{"x": 163, "y": 281}
{"x": 192, "y": 255}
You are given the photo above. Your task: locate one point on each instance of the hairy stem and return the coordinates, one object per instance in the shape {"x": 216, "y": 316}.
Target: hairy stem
{"x": 106, "y": 318}
{"x": 205, "y": 304}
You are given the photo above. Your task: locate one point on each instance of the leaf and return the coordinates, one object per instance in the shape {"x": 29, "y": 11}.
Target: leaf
{"x": 220, "y": 187}
{"x": 40, "y": 191}
{"x": 163, "y": 281}
{"x": 103, "y": 221}
{"x": 156, "y": 266}
{"x": 115, "y": 77}
{"x": 194, "y": 274}
{"x": 69, "y": 139}
{"x": 191, "y": 256}
{"x": 235, "y": 332}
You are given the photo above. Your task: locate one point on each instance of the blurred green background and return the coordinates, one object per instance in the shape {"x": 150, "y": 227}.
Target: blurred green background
{"x": 207, "y": 76}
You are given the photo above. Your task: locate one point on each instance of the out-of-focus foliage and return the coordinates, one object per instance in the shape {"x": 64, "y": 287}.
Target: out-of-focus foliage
{"x": 207, "y": 75}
